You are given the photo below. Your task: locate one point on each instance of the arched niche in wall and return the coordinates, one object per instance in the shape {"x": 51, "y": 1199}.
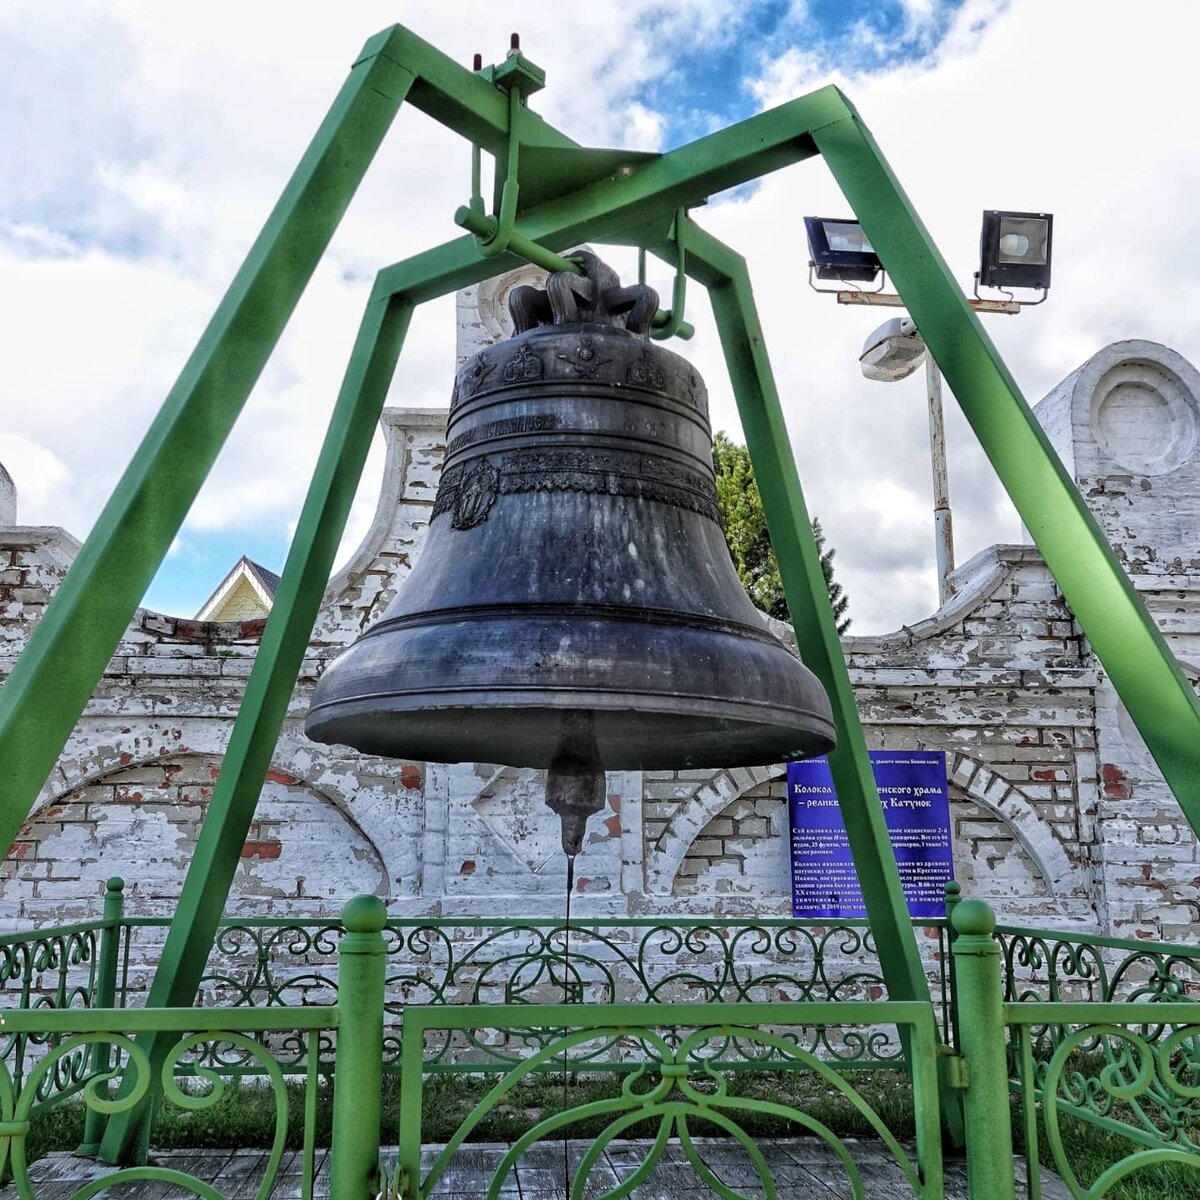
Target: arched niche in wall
{"x": 141, "y": 821}
{"x": 729, "y": 836}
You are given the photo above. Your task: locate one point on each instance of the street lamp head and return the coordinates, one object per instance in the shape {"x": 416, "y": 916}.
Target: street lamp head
{"x": 841, "y": 250}
{"x": 1014, "y": 250}
{"x": 893, "y": 351}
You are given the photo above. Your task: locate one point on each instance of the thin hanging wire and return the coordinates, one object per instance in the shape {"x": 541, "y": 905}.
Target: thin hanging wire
{"x": 567, "y": 1000}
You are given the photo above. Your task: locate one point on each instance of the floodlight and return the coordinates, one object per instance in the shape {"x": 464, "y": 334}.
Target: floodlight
{"x": 841, "y": 250}
{"x": 1014, "y": 250}
{"x": 894, "y": 351}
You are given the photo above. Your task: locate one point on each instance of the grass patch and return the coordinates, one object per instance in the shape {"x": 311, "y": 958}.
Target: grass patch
{"x": 1091, "y": 1151}
{"x": 449, "y": 1099}
{"x": 245, "y": 1114}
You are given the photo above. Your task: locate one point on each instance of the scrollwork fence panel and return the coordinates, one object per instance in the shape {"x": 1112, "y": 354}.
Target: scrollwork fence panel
{"x": 542, "y": 962}
{"x": 1107, "y": 1065}
{"x": 54, "y": 970}
{"x": 1065, "y": 966}
{"x": 676, "y": 1088}
{"x": 192, "y": 1078}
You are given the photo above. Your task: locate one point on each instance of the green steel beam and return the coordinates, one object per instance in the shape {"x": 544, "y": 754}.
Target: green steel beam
{"x": 813, "y": 620}
{"x": 1121, "y": 631}
{"x": 75, "y": 639}
{"x": 812, "y": 617}
{"x": 644, "y": 192}
{"x": 271, "y": 684}
{"x": 725, "y": 274}
{"x": 462, "y": 100}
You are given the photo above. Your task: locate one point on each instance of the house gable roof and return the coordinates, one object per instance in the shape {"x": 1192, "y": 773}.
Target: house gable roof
{"x": 262, "y": 583}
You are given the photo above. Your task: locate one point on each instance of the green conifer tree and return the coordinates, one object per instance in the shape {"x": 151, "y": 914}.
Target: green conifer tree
{"x": 745, "y": 527}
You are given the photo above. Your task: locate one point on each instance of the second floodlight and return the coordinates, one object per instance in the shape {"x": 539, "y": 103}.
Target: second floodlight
{"x": 841, "y": 250}
{"x": 1014, "y": 250}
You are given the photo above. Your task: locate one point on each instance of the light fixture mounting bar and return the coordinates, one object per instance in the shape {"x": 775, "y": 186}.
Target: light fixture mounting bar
{"x": 890, "y": 300}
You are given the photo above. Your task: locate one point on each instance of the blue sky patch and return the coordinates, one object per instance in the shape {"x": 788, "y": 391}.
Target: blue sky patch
{"x": 709, "y": 79}
{"x": 191, "y": 574}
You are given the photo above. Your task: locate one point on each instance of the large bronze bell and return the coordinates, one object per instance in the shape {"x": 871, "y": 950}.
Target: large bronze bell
{"x": 575, "y": 606}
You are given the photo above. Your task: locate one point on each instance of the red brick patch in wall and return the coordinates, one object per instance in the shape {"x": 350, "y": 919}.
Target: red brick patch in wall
{"x": 282, "y": 777}
{"x": 1052, "y": 775}
{"x": 262, "y": 849}
{"x": 1114, "y": 782}
{"x": 411, "y": 777}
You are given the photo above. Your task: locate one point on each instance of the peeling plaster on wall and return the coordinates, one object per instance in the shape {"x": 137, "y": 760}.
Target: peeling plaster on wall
{"x": 148, "y": 816}
{"x": 1037, "y": 837}
{"x": 1060, "y": 815}
{"x": 695, "y": 797}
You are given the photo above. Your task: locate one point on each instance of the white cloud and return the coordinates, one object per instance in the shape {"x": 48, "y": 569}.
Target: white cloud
{"x": 133, "y": 189}
{"x": 1068, "y": 108}
{"x": 36, "y": 471}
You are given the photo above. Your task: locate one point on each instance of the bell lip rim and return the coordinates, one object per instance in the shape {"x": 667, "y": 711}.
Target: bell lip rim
{"x": 605, "y": 700}
{"x": 818, "y": 727}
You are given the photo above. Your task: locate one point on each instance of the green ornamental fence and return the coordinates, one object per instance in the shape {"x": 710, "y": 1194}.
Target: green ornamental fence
{"x": 1108, "y": 1066}
{"x": 1076, "y": 1029}
{"x": 675, "y": 1089}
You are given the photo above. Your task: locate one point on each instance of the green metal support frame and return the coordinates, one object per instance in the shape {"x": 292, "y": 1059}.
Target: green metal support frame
{"x": 571, "y": 195}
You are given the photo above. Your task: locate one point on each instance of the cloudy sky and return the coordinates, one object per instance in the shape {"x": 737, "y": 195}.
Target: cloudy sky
{"x": 146, "y": 140}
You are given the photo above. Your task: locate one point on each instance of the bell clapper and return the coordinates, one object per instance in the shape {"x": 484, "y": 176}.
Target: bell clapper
{"x": 575, "y": 781}
{"x": 574, "y": 790}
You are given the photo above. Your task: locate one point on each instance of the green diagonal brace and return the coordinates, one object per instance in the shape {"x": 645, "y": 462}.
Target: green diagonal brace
{"x": 75, "y": 639}
{"x": 813, "y": 620}
{"x": 816, "y": 627}
{"x": 269, "y": 688}
{"x": 1121, "y": 631}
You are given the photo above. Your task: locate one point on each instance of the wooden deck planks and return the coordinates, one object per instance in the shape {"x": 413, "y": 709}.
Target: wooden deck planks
{"x": 802, "y": 1168}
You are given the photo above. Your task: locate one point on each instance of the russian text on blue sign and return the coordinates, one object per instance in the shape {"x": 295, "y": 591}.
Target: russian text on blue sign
{"x": 916, "y": 804}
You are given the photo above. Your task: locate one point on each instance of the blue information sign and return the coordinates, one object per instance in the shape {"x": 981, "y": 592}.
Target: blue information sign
{"x": 916, "y": 804}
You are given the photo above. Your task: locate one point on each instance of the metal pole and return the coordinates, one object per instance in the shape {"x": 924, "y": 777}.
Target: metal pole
{"x": 981, "y": 1005}
{"x": 106, "y": 997}
{"x": 358, "y": 1071}
{"x": 943, "y": 527}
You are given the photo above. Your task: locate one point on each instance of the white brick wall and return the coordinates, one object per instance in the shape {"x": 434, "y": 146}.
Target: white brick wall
{"x": 1059, "y": 815}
